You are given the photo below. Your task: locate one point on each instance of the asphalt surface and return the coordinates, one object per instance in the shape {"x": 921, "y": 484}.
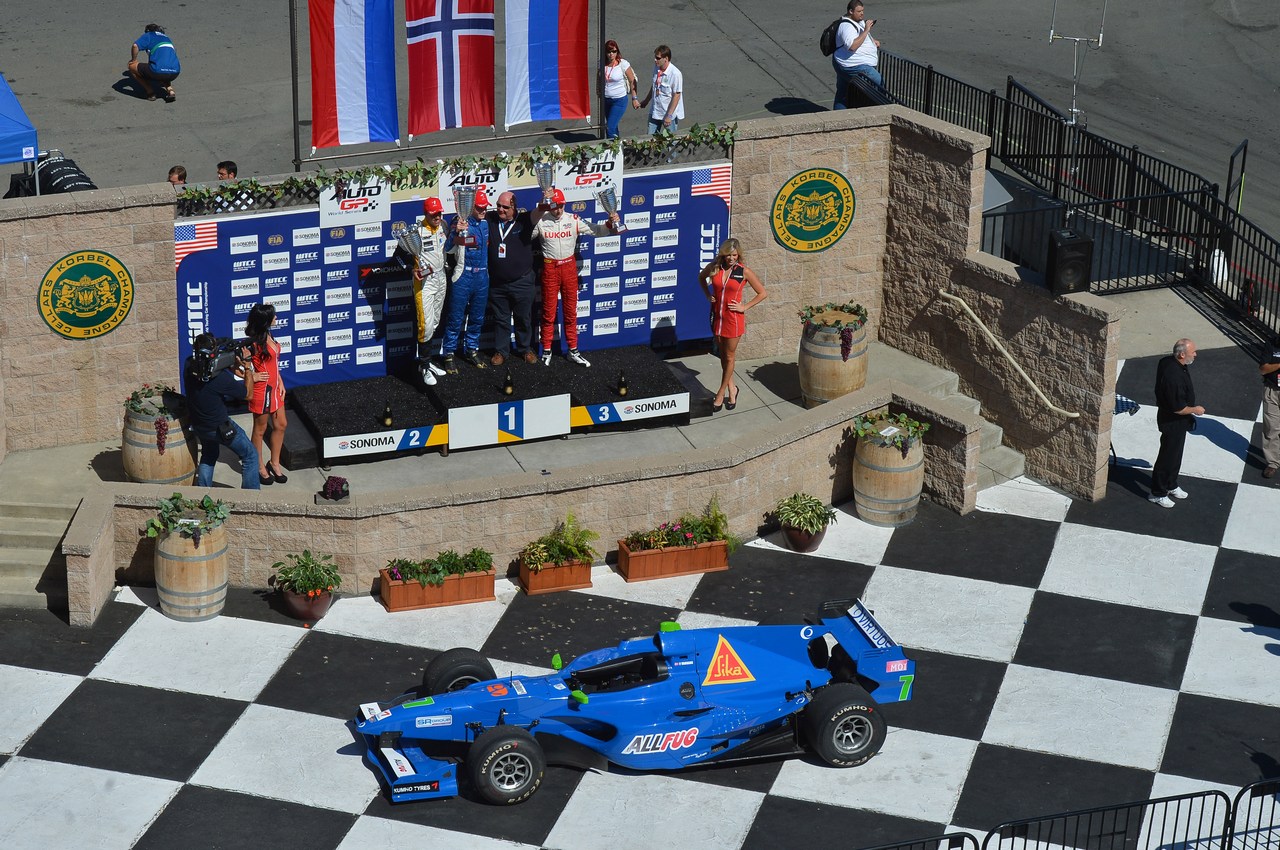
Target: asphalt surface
{"x": 1184, "y": 80}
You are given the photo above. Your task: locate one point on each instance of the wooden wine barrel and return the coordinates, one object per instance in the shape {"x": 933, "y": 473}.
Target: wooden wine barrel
{"x": 140, "y": 451}
{"x": 191, "y": 580}
{"x": 824, "y": 374}
{"x": 886, "y": 482}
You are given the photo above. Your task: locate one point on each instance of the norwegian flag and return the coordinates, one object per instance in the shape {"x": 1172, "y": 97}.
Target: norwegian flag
{"x": 716, "y": 180}
{"x": 451, "y": 44}
{"x": 190, "y": 238}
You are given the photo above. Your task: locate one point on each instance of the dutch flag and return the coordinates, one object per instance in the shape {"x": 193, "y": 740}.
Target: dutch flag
{"x": 353, "y": 72}
{"x": 547, "y": 74}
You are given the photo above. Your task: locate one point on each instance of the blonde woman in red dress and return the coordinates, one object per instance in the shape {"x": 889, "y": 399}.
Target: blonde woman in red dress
{"x": 267, "y": 401}
{"x": 723, "y": 281}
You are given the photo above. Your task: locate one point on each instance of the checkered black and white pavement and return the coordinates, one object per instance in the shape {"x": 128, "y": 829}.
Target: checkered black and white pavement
{"x": 1069, "y": 655}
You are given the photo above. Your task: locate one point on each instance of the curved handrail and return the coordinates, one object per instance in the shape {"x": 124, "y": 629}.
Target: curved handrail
{"x": 1000, "y": 347}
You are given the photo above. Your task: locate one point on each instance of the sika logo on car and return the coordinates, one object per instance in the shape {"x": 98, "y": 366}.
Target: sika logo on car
{"x": 726, "y": 667}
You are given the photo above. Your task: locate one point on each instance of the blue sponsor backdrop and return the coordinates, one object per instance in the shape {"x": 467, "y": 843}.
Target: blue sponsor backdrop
{"x": 336, "y": 320}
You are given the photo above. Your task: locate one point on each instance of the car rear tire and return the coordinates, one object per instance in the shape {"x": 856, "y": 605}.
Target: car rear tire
{"x": 842, "y": 725}
{"x": 454, "y": 669}
{"x": 505, "y": 765}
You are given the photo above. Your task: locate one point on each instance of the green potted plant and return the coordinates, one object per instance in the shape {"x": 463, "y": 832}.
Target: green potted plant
{"x": 191, "y": 556}
{"x": 447, "y": 579}
{"x": 153, "y": 448}
{"x": 888, "y": 467}
{"x": 827, "y": 328}
{"x": 804, "y": 519}
{"x": 694, "y": 543}
{"x": 558, "y": 560}
{"x": 307, "y": 582}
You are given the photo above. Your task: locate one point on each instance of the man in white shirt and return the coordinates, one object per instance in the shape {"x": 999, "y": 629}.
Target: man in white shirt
{"x": 856, "y": 52}
{"x": 666, "y": 93}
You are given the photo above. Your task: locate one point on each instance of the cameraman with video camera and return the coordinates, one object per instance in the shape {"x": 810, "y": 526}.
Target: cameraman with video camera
{"x": 208, "y": 377}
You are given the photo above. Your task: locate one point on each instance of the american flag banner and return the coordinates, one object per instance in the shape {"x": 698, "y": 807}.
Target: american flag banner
{"x": 451, "y": 48}
{"x": 716, "y": 180}
{"x": 190, "y": 238}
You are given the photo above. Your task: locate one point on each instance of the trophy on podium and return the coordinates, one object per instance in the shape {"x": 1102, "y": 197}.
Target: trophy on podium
{"x": 464, "y": 198}
{"x": 410, "y": 239}
{"x": 546, "y": 174}
{"x": 608, "y": 198}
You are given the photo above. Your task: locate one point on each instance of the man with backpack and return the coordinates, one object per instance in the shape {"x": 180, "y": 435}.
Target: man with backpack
{"x": 855, "y": 51}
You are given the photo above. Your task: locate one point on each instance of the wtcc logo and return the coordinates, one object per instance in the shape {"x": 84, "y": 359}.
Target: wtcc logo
{"x": 602, "y": 327}
{"x": 605, "y": 286}
{"x": 635, "y": 262}
{"x": 634, "y": 322}
{"x": 243, "y": 307}
{"x": 664, "y": 259}
{"x": 638, "y": 241}
{"x": 340, "y": 338}
{"x": 601, "y": 306}
{"x": 606, "y": 265}
{"x": 306, "y": 258}
{"x": 283, "y": 363}
{"x": 663, "y": 298}
{"x": 662, "y": 280}
{"x": 309, "y": 341}
{"x": 308, "y": 299}
{"x": 664, "y": 217}
{"x": 244, "y": 287}
{"x": 337, "y": 297}
{"x": 666, "y": 197}
{"x": 306, "y": 280}
{"x": 368, "y": 250}
{"x": 309, "y": 363}
{"x": 244, "y": 244}
{"x": 635, "y": 281}
{"x": 249, "y": 265}
{"x": 633, "y": 303}
{"x": 335, "y": 275}
{"x": 276, "y": 281}
{"x": 364, "y": 356}
{"x": 584, "y": 309}
{"x": 367, "y": 334}
{"x": 337, "y": 254}
{"x": 340, "y": 357}
{"x": 399, "y": 330}
{"x": 397, "y": 351}
{"x": 307, "y": 321}
{"x": 306, "y": 236}
{"x": 340, "y": 316}
{"x": 666, "y": 238}
{"x": 393, "y": 310}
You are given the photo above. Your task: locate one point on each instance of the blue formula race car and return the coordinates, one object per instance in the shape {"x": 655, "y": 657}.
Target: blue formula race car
{"x": 679, "y": 698}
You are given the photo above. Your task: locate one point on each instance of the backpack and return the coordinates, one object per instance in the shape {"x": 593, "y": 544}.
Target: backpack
{"x": 827, "y": 41}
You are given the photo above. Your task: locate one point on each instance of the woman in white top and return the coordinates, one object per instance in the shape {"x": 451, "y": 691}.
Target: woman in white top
{"x": 620, "y": 86}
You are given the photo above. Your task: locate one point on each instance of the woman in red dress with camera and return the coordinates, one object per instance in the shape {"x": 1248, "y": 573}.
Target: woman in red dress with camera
{"x": 723, "y": 281}
{"x": 267, "y": 401}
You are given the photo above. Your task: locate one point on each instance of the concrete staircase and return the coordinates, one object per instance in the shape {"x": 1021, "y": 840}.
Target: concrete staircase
{"x": 33, "y": 572}
{"x": 998, "y": 462}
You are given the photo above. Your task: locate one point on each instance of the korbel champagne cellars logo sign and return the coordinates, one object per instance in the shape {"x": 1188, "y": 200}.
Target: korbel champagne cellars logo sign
{"x": 85, "y": 294}
{"x": 812, "y": 210}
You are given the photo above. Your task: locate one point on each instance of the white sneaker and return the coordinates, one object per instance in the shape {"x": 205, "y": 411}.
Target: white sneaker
{"x": 1179, "y": 493}
{"x": 575, "y": 357}
{"x": 435, "y": 370}
{"x": 428, "y": 377}
{"x": 1162, "y": 501}
{"x": 546, "y": 358}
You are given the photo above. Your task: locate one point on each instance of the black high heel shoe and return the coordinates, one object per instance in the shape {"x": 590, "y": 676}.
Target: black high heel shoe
{"x": 730, "y": 405}
{"x": 279, "y": 476}
{"x": 267, "y": 479}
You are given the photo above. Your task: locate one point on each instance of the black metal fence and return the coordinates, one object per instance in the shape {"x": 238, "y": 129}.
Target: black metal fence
{"x": 1208, "y": 820}
{"x": 1117, "y": 191}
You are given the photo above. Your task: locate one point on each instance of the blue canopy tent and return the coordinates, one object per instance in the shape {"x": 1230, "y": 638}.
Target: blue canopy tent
{"x": 17, "y": 134}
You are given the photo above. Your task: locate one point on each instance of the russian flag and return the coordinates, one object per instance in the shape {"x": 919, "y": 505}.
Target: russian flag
{"x": 353, "y": 72}
{"x": 547, "y": 74}
{"x": 451, "y": 45}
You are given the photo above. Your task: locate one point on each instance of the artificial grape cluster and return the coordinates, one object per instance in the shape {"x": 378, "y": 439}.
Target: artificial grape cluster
{"x": 846, "y": 342}
{"x": 162, "y": 432}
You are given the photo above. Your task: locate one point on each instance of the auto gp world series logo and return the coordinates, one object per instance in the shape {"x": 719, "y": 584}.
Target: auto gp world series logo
{"x": 812, "y": 210}
{"x": 85, "y": 294}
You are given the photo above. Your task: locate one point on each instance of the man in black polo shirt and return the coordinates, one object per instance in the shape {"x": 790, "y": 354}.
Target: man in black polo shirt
{"x": 207, "y": 397}
{"x": 1176, "y": 412}
{"x": 512, "y": 287}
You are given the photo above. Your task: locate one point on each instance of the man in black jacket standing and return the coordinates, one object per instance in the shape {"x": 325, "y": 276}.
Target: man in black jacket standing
{"x": 1176, "y": 410}
{"x": 512, "y": 287}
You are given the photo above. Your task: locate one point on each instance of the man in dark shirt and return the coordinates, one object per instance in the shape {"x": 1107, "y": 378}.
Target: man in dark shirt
{"x": 207, "y": 404}
{"x": 1176, "y": 410}
{"x": 512, "y": 287}
{"x": 1270, "y": 371}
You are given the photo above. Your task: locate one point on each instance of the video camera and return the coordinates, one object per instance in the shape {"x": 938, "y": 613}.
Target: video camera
{"x": 210, "y": 360}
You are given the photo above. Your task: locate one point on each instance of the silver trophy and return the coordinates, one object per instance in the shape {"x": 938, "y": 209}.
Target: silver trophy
{"x": 464, "y": 198}
{"x": 608, "y": 198}
{"x": 410, "y": 239}
{"x": 546, "y": 174}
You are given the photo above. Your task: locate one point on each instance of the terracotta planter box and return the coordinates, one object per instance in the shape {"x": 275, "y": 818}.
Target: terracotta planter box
{"x": 672, "y": 561}
{"x": 571, "y": 575}
{"x": 456, "y": 590}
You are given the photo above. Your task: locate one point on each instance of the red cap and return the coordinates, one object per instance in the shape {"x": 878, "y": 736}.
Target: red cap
{"x": 557, "y": 196}
{"x": 482, "y": 200}
{"x": 432, "y": 205}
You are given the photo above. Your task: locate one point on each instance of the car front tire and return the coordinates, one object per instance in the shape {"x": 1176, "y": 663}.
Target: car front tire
{"x": 454, "y": 669}
{"x": 505, "y": 765}
{"x": 842, "y": 725}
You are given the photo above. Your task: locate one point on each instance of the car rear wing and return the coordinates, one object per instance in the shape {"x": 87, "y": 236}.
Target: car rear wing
{"x": 882, "y": 667}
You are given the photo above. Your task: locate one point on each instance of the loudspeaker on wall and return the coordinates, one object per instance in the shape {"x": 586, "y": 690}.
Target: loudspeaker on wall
{"x": 1070, "y": 261}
